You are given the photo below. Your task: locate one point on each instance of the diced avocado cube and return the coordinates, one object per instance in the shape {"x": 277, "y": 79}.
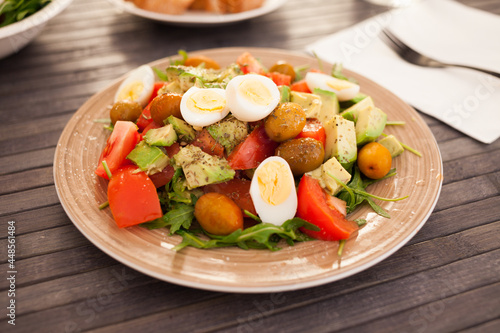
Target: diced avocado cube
{"x": 352, "y": 113}
{"x": 163, "y": 136}
{"x": 228, "y": 132}
{"x": 347, "y": 104}
{"x": 284, "y": 93}
{"x": 184, "y": 131}
{"x": 201, "y": 168}
{"x": 392, "y": 144}
{"x": 370, "y": 125}
{"x": 324, "y": 174}
{"x": 341, "y": 141}
{"x": 329, "y": 104}
{"x": 311, "y": 103}
{"x": 149, "y": 159}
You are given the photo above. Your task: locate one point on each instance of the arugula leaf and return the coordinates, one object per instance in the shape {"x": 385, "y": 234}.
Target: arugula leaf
{"x": 354, "y": 193}
{"x": 179, "y": 216}
{"x": 259, "y": 236}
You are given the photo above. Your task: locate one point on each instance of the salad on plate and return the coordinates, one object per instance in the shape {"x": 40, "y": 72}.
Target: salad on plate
{"x": 244, "y": 155}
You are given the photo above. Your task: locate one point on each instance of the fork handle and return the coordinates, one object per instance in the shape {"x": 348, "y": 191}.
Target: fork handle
{"x": 495, "y": 74}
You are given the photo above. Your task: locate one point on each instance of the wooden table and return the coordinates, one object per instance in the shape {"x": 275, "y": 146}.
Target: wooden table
{"x": 447, "y": 278}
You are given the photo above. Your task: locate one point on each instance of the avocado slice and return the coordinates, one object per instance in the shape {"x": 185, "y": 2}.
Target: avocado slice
{"x": 228, "y": 132}
{"x": 149, "y": 159}
{"x": 352, "y": 113}
{"x": 347, "y": 104}
{"x": 201, "y": 168}
{"x": 324, "y": 174}
{"x": 341, "y": 141}
{"x": 184, "y": 131}
{"x": 370, "y": 125}
{"x": 329, "y": 104}
{"x": 163, "y": 136}
{"x": 392, "y": 144}
{"x": 311, "y": 103}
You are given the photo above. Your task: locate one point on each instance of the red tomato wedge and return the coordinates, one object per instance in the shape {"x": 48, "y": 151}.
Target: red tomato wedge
{"x": 300, "y": 86}
{"x": 252, "y": 151}
{"x": 162, "y": 178}
{"x": 207, "y": 143}
{"x": 121, "y": 142}
{"x": 132, "y": 197}
{"x": 145, "y": 118}
{"x": 236, "y": 189}
{"x": 157, "y": 86}
{"x": 314, "y": 207}
{"x": 279, "y": 79}
{"x": 249, "y": 64}
{"x": 314, "y": 129}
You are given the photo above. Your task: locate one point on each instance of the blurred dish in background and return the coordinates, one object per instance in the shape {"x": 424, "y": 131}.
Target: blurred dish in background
{"x": 179, "y": 7}
{"x": 198, "y": 12}
{"x": 15, "y": 36}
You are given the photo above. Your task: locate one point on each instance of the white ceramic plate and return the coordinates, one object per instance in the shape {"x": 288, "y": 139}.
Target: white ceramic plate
{"x": 232, "y": 269}
{"x": 199, "y": 18}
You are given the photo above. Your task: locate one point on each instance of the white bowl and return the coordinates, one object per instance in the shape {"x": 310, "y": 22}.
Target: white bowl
{"x": 15, "y": 36}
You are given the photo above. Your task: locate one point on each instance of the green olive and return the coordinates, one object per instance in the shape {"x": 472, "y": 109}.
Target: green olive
{"x": 284, "y": 68}
{"x": 125, "y": 110}
{"x": 285, "y": 122}
{"x": 218, "y": 214}
{"x": 165, "y": 105}
{"x": 303, "y": 154}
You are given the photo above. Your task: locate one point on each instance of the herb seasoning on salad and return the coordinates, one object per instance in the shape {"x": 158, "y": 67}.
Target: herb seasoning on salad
{"x": 244, "y": 156}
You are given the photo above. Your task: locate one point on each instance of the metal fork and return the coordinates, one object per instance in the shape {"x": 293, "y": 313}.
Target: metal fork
{"x": 416, "y": 58}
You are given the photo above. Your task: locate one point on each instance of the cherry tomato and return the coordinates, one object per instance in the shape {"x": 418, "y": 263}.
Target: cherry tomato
{"x": 120, "y": 143}
{"x": 314, "y": 207}
{"x": 195, "y": 61}
{"x": 252, "y": 151}
{"x": 132, "y": 197}
{"x": 218, "y": 214}
{"x": 374, "y": 160}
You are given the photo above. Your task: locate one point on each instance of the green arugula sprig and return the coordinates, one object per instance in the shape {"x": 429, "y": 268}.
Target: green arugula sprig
{"x": 259, "y": 236}
{"x": 354, "y": 193}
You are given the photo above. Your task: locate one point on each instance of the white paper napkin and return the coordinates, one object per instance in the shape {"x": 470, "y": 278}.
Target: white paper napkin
{"x": 446, "y": 30}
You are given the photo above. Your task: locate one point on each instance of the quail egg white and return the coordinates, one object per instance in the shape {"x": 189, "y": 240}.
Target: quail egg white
{"x": 252, "y": 97}
{"x": 137, "y": 87}
{"x": 273, "y": 191}
{"x": 204, "y": 106}
{"x": 345, "y": 90}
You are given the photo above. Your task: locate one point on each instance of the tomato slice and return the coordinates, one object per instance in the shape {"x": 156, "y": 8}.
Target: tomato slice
{"x": 314, "y": 129}
{"x": 300, "y": 86}
{"x": 249, "y": 64}
{"x": 236, "y": 189}
{"x": 132, "y": 197}
{"x": 145, "y": 118}
{"x": 120, "y": 143}
{"x": 163, "y": 177}
{"x": 207, "y": 143}
{"x": 279, "y": 78}
{"x": 314, "y": 207}
{"x": 252, "y": 151}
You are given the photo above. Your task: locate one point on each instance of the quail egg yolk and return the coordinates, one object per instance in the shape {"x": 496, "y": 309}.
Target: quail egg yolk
{"x": 274, "y": 183}
{"x": 339, "y": 84}
{"x": 205, "y": 101}
{"x": 255, "y": 92}
{"x": 132, "y": 91}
